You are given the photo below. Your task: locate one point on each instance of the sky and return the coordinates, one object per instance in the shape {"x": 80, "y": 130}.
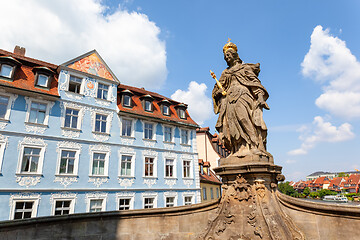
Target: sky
{"x": 308, "y": 51}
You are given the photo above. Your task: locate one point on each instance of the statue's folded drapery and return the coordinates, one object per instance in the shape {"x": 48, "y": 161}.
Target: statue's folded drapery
{"x": 240, "y": 124}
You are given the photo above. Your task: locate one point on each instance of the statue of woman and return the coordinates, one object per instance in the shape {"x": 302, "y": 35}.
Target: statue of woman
{"x": 240, "y": 124}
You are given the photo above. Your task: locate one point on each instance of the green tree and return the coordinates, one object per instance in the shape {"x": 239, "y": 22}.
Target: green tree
{"x": 342, "y": 174}
{"x": 314, "y": 195}
{"x": 306, "y": 191}
{"x": 286, "y": 188}
{"x": 325, "y": 192}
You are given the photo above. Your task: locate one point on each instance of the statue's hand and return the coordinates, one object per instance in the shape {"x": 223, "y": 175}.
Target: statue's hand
{"x": 265, "y": 105}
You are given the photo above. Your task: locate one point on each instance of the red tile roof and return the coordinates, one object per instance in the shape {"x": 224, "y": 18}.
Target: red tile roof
{"x": 211, "y": 178}
{"x": 138, "y": 109}
{"x": 24, "y": 76}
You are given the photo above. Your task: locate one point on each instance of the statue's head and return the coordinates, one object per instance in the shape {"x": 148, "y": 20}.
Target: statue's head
{"x": 230, "y": 53}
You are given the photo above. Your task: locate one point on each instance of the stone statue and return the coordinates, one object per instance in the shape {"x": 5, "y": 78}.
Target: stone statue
{"x": 239, "y": 99}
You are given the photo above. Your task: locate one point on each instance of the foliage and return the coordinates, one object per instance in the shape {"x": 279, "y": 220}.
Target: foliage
{"x": 285, "y": 188}
{"x": 325, "y": 192}
{"x": 314, "y": 195}
{"x": 342, "y": 174}
{"x": 306, "y": 191}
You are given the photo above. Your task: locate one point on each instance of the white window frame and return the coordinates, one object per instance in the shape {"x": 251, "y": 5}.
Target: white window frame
{"x": 188, "y": 135}
{"x": 123, "y": 101}
{"x": 154, "y": 167}
{"x": 133, "y": 157}
{"x": 188, "y": 194}
{"x": 24, "y": 198}
{"x": 150, "y": 195}
{"x": 182, "y": 113}
{"x": 151, "y": 105}
{"x": 172, "y": 129}
{"x": 109, "y": 91}
{"x": 191, "y": 169}
{"x": 107, "y": 129}
{"x": 79, "y": 120}
{"x": 47, "y": 81}
{"x": 171, "y": 194}
{"x": 47, "y": 111}
{"x": 174, "y": 168}
{"x": 12, "y": 70}
{"x": 132, "y": 132}
{"x": 106, "y": 164}
{"x": 12, "y": 98}
{"x": 125, "y": 195}
{"x": 96, "y": 196}
{"x": 41, "y": 158}
{"x": 71, "y": 207}
{"x": 3, "y": 145}
{"x": 153, "y": 131}
{"x": 81, "y": 91}
{"x": 76, "y": 162}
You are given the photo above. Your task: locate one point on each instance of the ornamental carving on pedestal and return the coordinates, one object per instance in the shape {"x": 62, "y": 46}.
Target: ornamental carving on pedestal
{"x": 65, "y": 181}
{"x": 149, "y": 182}
{"x": 126, "y": 182}
{"x": 27, "y": 181}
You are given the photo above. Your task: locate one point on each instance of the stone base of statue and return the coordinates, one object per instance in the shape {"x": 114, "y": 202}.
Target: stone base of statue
{"x": 249, "y": 208}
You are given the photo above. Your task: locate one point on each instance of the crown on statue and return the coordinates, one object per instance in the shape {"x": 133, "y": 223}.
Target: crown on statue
{"x": 229, "y": 45}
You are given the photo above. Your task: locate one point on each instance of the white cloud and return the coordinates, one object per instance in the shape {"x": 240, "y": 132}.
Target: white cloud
{"x": 290, "y": 161}
{"x": 332, "y": 64}
{"x": 200, "y": 106}
{"x": 57, "y": 31}
{"x": 322, "y": 131}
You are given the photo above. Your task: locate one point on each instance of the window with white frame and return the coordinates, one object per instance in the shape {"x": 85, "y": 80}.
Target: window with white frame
{"x": 4, "y": 105}
{"x": 149, "y": 167}
{"x": 100, "y": 123}
{"x": 182, "y": 114}
{"x": 126, "y": 100}
{"x": 30, "y": 160}
{"x": 71, "y": 118}
{"x": 42, "y": 80}
{"x": 103, "y": 91}
{"x": 148, "y": 130}
{"x": 75, "y": 84}
{"x": 6, "y": 70}
{"x": 68, "y": 161}
{"x": 24, "y": 209}
{"x": 166, "y": 109}
{"x": 188, "y": 200}
{"x": 184, "y": 135}
{"x": 148, "y": 105}
{"x": 99, "y": 164}
{"x": 149, "y": 202}
{"x": 168, "y": 134}
{"x": 170, "y": 202}
{"x": 169, "y": 168}
{"x": 126, "y": 127}
{"x": 63, "y": 206}
{"x": 124, "y": 203}
{"x": 186, "y": 168}
{"x": 3, "y": 143}
{"x": 96, "y": 205}
{"x": 126, "y": 165}
{"x": 38, "y": 112}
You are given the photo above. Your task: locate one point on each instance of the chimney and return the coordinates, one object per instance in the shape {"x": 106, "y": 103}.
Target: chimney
{"x": 19, "y": 50}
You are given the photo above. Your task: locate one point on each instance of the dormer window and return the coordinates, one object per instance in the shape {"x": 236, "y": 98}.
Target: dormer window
{"x": 148, "y": 105}
{"x": 182, "y": 113}
{"x": 165, "y": 107}
{"x": 75, "y": 84}
{"x": 181, "y": 110}
{"x": 42, "y": 80}
{"x": 166, "y": 110}
{"x": 126, "y": 100}
{"x": 6, "y": 70}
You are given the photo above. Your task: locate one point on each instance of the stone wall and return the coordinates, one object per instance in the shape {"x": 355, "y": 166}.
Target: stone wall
{"x": 322, "y": 221}
{"x": 186, "y": 222}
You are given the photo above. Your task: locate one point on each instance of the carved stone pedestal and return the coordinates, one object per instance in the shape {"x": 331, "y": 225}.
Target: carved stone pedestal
{"x": 249, "y": 208}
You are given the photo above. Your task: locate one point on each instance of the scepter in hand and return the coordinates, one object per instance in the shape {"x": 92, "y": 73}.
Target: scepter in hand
{"x": 218, "y": 83}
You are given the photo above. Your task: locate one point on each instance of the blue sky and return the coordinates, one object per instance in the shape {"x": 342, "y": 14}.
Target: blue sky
{"x": 170, "y": 46}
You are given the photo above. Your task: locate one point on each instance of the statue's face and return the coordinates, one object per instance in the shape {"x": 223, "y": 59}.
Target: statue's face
{"x": 228, "y": 56}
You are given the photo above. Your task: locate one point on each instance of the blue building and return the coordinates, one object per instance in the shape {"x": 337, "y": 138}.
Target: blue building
{"x": 73, "y": 139}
